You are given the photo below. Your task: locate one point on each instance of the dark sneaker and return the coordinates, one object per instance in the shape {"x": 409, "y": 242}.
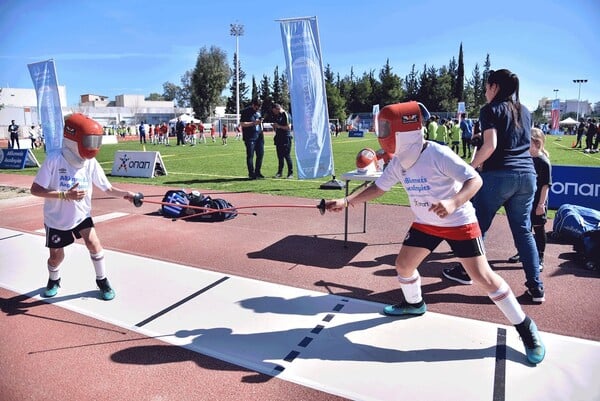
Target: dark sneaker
{"x": 458, "y": 274}
{"x": 534, "y": 347}
{"x": 537, "y": 294}
{"x": 514, "y": 259}
{"x": 106, "y": 291}
{"x": 51, "y": 288}
{"x": 278, "y": 175}
{"x": 290, "y": 176}
{"x": 404, "y": 308}
{"x": 260, "y": 176}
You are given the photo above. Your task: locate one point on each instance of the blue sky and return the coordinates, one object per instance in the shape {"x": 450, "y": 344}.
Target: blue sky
{"x": 132, "y": 47}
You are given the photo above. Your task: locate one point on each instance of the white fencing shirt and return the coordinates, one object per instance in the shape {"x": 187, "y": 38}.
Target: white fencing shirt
{"x": 438, "y": 174}
{"x": 56, "y": 174}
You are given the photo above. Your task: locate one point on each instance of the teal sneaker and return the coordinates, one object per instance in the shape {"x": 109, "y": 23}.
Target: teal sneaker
{"x": 534, "y": 347}
{"x": 51, "y": 288}
{"x": 106, "y": 291}
{"x": 404, "y": 308}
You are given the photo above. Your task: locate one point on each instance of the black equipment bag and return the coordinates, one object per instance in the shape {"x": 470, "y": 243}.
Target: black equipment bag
{"x": 217, "y": 204}
{"x": 179, "y": 204}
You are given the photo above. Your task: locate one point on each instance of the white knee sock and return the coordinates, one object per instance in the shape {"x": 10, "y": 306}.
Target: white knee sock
{"x": 411, "y": 288}
{"x": 98, "y": 261}
{"x": 53, "y": 272}
{"x": 508, "y": 304}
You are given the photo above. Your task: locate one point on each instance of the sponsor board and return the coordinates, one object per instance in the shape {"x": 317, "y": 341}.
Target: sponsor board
{"x": 138, "y": 164}
{"x": 576, "y": 185}
{"x": 17, "y": 159}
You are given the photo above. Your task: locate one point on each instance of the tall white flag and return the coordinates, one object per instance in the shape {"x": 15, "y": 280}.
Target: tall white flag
{"x": 45, "y": 83}
{"x": 314, "y": 156}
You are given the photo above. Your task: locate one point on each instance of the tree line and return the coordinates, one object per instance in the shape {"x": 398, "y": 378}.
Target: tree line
{"x": 439, "y": 89}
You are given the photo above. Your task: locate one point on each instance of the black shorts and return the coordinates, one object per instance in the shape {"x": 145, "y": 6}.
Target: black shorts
{"x": 461, "y": 248}
{"x": 59, "y": 238}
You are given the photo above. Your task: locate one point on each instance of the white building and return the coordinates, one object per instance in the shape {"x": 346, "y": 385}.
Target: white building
{"x": 566, "y": 106}
{"x": 128, "y": 110}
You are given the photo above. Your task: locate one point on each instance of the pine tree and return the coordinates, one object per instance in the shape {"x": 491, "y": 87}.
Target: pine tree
{"x": 230, "y": 106}
{"x": 459, "y": 85}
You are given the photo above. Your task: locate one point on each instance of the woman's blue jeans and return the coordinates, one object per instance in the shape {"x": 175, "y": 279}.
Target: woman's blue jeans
{"x": 514, "y": 191}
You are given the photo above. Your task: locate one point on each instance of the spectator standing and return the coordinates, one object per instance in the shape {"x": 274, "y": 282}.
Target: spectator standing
{"x": 224, "y": 134}
{"x": 580, "y": 133}
{"x": 543, "y": 169}
{"x": 165, "y": 132}
{"x": 13, "y": 130}
{"x": 238, "y": 132}
{"x": 179, "y": 127}
{"x": 33, "y": 136}
{"x": 591, "y": 131}
{"x": 432, "y": 127}
{"x": 142, "y": 132}
{"x": 190, "y": 131}
{"x": 251, "y": 122}
{"x": 283, "y": 140}
{"x": 212, "y": 132}
{"x": 466, "y": 129}
{"x": 455, "y": 134}
{"x": 508, "y": 174}
{"x": 151, "y": 133}
{"x": 441, "y": 133}
{"x": 202, "y": 134}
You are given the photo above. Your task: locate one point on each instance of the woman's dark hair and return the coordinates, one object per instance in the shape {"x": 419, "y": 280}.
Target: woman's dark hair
{"x": 508, "y": 84}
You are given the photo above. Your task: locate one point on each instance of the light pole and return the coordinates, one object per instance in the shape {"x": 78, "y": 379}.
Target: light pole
{"x": 555, "y": 112}
{"x": 579, "y": 81}
{"x": 237, "y": 30}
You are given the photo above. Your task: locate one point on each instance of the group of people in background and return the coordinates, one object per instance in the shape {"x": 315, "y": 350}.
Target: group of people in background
{"x": 186, "y": 133}
{"x": 588, "y": 129}
{"x": 453, "y": 132}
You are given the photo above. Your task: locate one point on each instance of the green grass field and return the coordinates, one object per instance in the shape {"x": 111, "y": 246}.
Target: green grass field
{"x": 215, "y": 167}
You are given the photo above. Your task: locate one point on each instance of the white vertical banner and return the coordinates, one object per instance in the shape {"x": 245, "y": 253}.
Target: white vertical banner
{"x": 312, "y": 142}
{"x": 375, "y": 122}
{"x": 45, "y": 83}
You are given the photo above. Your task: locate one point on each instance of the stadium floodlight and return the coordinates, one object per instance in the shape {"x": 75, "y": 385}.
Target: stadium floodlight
{"x": 237, "y": 30}
{"x": 579, "y": 81}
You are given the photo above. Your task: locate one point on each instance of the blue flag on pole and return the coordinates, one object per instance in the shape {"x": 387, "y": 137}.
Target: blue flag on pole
{"x": 45, "y": 83}
{"x": 314, "y": 156}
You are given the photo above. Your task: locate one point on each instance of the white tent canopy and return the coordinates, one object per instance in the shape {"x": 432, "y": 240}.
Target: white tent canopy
{"x": 568, "y": 121}
{"x": 186, "y": 118}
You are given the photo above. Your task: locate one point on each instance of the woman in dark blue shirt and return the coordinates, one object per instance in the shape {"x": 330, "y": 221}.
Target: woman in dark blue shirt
{"x": 508, "y": 173}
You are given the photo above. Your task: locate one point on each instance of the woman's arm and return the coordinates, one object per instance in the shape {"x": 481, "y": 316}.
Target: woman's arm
{"x": 490, "y": 142}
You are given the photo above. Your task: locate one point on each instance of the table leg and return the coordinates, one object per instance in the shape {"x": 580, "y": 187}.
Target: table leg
{"x": 346, "y": 219}
{"x": 365, "y": 218}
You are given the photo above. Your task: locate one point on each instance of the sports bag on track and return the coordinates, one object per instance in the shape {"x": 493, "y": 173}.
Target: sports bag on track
{"x": 175, "y": 198}
{"x": 219, "y": 204}
{"x": 572, "y": 221}
{"x": 180, "y": 202}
